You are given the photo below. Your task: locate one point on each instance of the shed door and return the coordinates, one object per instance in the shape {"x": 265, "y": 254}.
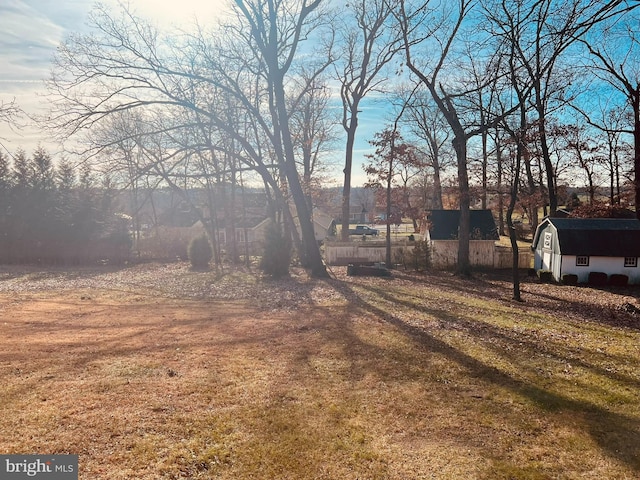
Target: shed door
{"x": 546, "y": 260}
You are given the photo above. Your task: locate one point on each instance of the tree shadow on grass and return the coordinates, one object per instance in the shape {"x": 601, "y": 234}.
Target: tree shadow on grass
{"x": 616, "y": 434}
{"x": 496, "y": 286}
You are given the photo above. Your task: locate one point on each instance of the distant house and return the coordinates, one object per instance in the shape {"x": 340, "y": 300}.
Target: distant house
{"x": 323, "y": 224}
{"x": 358, "y": 214}
{"x": 249, "y": 233}
{"x": 578, "y": 246}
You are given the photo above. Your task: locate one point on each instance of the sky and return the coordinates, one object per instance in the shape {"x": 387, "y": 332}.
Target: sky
{"x": 30, "y": 31}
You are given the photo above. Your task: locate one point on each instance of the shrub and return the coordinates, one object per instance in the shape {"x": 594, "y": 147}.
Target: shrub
{"x": 618, "y": 280}
{"x": 598, "y": 279}
{"x": 421, "y": 255}
{"x": 400, "y": 257}
{"x": 200, "y": 252}
{"x": 166, "y": 243}
{"x": 570, "y": 279}
{"x": 276, "y": 258}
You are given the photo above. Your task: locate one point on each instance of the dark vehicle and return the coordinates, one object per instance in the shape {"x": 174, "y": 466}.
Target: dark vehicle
{"x": 363, "y": 230}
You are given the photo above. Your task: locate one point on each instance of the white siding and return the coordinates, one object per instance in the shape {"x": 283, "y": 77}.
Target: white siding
{"x": 444, "y": 253}
{"x": 338, "y": 253}
{"x": 608, "y": 265}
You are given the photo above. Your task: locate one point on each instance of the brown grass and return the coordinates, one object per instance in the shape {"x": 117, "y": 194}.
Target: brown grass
{"x": 355, "y": 378}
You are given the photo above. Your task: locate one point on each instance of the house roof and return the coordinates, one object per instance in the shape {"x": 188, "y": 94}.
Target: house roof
{"x": 323, "y": 219}
{"x": 606, "y": 237}
{"x": 240, "y": 223}
{"x": 444, "y": 225}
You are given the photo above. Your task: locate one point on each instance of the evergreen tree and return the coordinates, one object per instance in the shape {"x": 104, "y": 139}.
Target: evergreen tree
{"x": 276, "y": 258}
{"x": 22, "y": 173}
{"x": 5, "y": 173}
{"x": 65, "y": 176}
{"x": 43, "y": 170}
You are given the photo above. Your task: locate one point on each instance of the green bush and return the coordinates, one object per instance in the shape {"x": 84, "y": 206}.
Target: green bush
{"x": 421, "y": 255}
{"x": 200, "y": 252}
{"x": 276, "y": 257}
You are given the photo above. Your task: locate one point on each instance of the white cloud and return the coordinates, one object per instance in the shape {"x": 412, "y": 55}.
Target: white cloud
{"x": 30, "y": 31}
{"x": 27, "y": 40}
{"x": 182, "y": 12}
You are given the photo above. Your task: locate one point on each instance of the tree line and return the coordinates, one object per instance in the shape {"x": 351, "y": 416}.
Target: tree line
{"x": 57, "y": 214}
{"x": 506, "y": 94}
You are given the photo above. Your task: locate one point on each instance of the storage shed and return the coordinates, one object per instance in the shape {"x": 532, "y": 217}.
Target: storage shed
{"x": 579, "y": 246}
{"x": 442, "y": 235}
{"x": 443, "y": 225}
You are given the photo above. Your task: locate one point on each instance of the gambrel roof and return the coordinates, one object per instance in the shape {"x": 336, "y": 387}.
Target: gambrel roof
{"x": 602, "y": 237}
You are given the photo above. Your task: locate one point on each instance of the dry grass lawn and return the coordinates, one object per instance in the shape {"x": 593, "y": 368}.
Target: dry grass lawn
{"x": 157, "y": 372}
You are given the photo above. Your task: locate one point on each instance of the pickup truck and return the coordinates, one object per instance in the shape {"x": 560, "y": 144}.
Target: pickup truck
{"x": 363, "y": 230}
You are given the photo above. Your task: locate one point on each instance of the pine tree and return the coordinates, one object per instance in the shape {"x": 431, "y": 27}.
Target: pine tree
{"x": 276, "y": 258}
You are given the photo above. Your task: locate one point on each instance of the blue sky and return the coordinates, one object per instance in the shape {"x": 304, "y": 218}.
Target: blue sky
{"x": 30, "y": 31}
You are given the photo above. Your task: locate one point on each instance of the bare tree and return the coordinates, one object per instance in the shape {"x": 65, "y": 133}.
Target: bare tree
{"x": 585, "y": 152}
{"x": 619, "y": 153}
{"x": 427, "y": 123}
{"x": 547, "y": 31}
{"x": 313, "y": 130}
{"x": 392, "y": 167}
{"x": 277, "y": 27}
{"x": 518, "y": 134}
{"x": 369, "y": 44}
{"x": 10, "y": 113}
{"x": 615, "y": 52}
{"x": 126, "y": 65}
{"x": 439, "y": 28}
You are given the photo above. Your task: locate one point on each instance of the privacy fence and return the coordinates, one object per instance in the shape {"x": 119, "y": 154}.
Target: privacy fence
{"x": 444, "y": 253}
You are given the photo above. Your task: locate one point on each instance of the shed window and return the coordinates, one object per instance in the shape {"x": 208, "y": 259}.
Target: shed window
{"x": 582, "y": 261}
{"x": 630, "y": 261}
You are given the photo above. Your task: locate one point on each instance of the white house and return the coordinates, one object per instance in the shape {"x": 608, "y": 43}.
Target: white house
{"x": 578, "y": 246}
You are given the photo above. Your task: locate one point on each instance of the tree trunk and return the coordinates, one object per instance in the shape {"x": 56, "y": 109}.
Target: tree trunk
{"x": 514, "y": 245}
{"x": 348, "y": 165}
{"x": 499, "y": 185}
{"x": 311, "y": 250}
{"x": 485, "y": 159}
{"x": 546, "y": 157}
{"x": 464, "y": 228}
{"x": 521, "y": 151}
{"x": 437, "y": 180}
{"x": 437, "y": 188}
{"x": 389, "y": 183}
{"x": 636, "y": 147}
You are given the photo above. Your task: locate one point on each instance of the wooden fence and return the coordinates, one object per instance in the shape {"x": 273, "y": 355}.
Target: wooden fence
{"x": 444, "y": 253}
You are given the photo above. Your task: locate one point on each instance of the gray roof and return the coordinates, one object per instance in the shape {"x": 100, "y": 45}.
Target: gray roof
{"x": 606, "y": 237}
